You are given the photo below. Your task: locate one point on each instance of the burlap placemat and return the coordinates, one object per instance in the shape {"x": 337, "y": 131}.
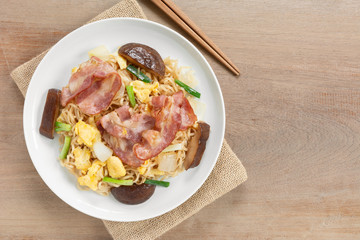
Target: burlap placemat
{"x": 228, "y": 172}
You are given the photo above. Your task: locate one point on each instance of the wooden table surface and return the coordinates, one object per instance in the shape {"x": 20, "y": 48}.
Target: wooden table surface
{"x": 292, "y": 118}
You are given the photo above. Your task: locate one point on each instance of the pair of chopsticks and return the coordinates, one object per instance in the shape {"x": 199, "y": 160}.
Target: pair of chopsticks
{"x": 168, "y": 7}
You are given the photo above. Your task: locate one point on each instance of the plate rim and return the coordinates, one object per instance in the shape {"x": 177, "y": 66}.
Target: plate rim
{"x": 28, "y": 133}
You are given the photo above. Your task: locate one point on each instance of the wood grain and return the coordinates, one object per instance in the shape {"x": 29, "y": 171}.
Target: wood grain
{"x": 178, "y": 16}
{"x": 292, "y": 118}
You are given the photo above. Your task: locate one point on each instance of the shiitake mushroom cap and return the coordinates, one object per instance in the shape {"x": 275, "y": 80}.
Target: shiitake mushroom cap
{"x": 143, "y": 56}
{"x": 134, "y": 194}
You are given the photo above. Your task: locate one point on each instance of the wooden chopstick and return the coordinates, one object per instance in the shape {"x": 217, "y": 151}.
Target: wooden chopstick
{"x": 168, "y": 7}
{"x": 196, "y": 29}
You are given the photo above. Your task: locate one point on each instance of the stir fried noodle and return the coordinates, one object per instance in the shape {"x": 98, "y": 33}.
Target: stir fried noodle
{"x": 71, "y": 114}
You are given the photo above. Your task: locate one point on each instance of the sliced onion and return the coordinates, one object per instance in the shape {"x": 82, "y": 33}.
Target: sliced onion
{"x": 198, "y": 107}
{"x": 167, "y": 162}
{"x": 101, "y": 151}
{"x": 187, "y": 77}
{"x": 173, "y": 147}
{"x": 101, "y": 52}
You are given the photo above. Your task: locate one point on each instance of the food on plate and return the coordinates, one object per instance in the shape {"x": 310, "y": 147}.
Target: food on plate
{"x": 59, "y": 127}
{"x": 129, "y": 120}
{"x": 140, "y": 75}
{"x": 158, "y": 183}
{"x": 92, "y": 86}
{"x": 145, "y": 57}
{"x": 65, "y": 149}
{"x": 50, "y": 113}
{"x": 134, "y": 194}
{"x": 197, "y": 145}
{"x": 188, "y": 88}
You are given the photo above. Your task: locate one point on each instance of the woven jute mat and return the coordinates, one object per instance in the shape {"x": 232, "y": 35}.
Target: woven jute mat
{"x": 228, "y": 172}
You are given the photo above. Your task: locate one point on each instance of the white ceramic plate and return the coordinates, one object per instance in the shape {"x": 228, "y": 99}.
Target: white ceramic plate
{"x": 54, "y": 72}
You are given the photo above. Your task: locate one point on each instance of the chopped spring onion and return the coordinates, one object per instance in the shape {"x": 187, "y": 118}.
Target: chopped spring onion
{"x": 130, "y": 92}
{"x": 173, "y": 147}
{"x": 65, "y": 148}
{"x": 136, "y": 71}
{"x": 158, "y": 183}
{"x": 188, "y": 89}
{"x": 118, "y": 181}
{"x": 59, "y": 126}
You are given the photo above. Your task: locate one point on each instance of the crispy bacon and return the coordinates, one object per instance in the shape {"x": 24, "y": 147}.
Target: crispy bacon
{"x": 188, "y": 117}
{"x": 122, "y": 130}
{"x": 172, "y": 113}
{"x": 93, "y": 76}
{"x": 138, "y": 137}
{"x": 99, "y": 95}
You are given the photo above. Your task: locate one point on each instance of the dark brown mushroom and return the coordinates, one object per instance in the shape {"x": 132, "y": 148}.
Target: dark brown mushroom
{"x": 134, "y": 194}
{"x": 50, "y": 113}
{"x": 197, "y": 145}
{"x": 144, "y": 57}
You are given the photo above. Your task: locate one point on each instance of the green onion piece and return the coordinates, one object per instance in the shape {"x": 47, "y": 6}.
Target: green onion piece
{"x": 188, "y": 89}
{"x": 136, "y": 71}
{"x": 65, "y": 148}
{"x": 59, "y": 126}
{"x": 159, "y": 183}
{"x": 130, "y": 92}
{"x": 118, "y": 181}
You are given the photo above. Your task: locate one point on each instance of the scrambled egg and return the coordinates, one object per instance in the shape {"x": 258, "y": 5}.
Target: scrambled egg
{"x": 74, "y": 69}
{"x": 93, "y": 176}
{"x": 142, "y": 90}
{"x": 82, "y": 158}
{"x": 88, "y": 134}
{"x": 115, "y": 167}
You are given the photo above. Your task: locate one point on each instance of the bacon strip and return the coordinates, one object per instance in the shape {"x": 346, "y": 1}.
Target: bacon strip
{"x": 188, "y": 117}
{"x": 135, "y": 138}
{"x": 121, "y": 130}
{"x": 93, "y": 70}
{"x": 172, "y": 113}
{"x": 99, "y": 95}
